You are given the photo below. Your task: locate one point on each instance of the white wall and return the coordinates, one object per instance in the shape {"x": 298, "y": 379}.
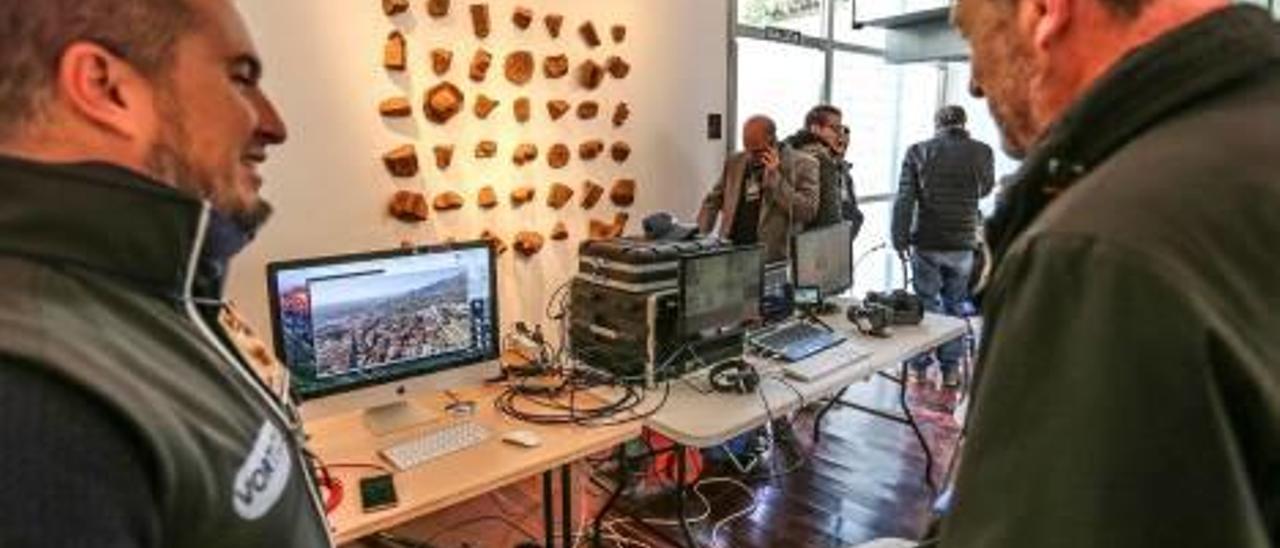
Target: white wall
{"x": 324, "y": 71}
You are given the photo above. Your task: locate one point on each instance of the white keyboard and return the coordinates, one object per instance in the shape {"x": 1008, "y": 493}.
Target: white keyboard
{"x": 437, "y": 443}
{"x": 826, "y": 362}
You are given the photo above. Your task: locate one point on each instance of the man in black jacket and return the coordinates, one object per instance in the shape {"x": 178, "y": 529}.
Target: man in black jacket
{"x": 935, "y": 221}
{"x": 1128, "y": 393}
{"x": 130, "y": 136}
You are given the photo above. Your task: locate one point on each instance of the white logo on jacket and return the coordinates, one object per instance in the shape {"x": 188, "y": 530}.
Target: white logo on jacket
{"x": 263, "y": 475}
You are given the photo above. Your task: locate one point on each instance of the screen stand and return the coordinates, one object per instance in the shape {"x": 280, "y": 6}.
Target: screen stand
{"x": 393, "y": 417}
{"x": 811, "y": 315}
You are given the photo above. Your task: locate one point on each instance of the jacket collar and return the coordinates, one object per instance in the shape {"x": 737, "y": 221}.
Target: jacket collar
{"x": 106, "y": 219}
{"x": 1149, "y": 85}
{"x": 808, "y": 141}
{"x": 952, "y": 131}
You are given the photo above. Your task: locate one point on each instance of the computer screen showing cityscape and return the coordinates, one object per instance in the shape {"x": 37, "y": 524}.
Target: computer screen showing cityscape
{"x": 347, "y": 322}
{"x": 720, "y": 290}
{"x": 824, "y": 259}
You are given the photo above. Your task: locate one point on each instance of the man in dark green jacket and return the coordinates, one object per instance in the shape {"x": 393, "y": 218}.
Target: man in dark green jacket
{"x": 825, "y": 138}
{"x": 130, "y": 135}
{"x": 1128, "y": 392}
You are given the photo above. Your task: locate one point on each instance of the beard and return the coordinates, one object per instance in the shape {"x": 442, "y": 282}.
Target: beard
{"x": 171, "y": 160}
{"x": 1008, "y": 92}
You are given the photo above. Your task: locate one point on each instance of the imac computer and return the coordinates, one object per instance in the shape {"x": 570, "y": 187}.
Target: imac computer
{"x": 366, "y": 331}
{"x": 822, "y": 263}
{"x": 720, "y": 291}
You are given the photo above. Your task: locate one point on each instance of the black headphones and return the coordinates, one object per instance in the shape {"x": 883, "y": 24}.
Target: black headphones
{"x": 734, "y": 377}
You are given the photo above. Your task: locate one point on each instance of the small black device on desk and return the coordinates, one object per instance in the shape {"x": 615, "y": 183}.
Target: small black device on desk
{"x": 870, "y": 318}
{"x": 378, "y": 493}
{"x": 775, "y": 295}
{"x": 906, "y": 308}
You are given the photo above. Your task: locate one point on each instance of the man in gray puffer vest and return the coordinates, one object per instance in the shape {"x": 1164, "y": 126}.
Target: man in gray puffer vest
{"x": 130, "y": 136}
{"x": 935, "y": 219}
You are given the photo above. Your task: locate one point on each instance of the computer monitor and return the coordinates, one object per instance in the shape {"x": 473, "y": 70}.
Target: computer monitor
{"x": 823, "y": 259}
{"x": 775, "y": 295}
{"x": 720, "y": 290}
{"x": 375, "y": 327}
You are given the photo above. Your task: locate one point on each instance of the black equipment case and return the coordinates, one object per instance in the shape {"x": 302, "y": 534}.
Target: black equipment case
{"x": 625, "y": 310}
{"x": 638, "y": 266}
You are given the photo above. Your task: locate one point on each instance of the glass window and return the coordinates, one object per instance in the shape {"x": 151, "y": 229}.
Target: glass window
{"x": 876, "y": 267}
{"x": 802, "y": 15}
{"x": 918, "y": 102}
{"x": 880, "y": 9}
{"x": 981, "y": 125}
{"x": 871, "y": 37}
{"x": 918, "y": 5}
{"x": 865, "y": 88}
{"x": 887, "y": 107}
{"x": 778, "y": 80}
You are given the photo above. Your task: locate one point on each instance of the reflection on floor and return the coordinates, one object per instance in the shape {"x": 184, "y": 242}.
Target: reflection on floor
{"x": 864, "y": 480}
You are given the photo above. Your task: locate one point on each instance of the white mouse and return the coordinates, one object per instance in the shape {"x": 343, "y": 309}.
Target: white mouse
{"x": 523, "y": 438}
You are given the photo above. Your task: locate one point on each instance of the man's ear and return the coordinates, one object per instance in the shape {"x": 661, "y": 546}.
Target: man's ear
{"x": 105, "y": 90}
{"x": 1048, "y": 20}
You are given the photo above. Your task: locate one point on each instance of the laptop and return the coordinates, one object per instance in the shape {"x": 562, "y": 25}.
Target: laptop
{"x": 781, "y": 335}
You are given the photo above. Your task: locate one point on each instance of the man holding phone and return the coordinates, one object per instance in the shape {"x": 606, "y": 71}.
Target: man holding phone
{"x": 765, "y": 193}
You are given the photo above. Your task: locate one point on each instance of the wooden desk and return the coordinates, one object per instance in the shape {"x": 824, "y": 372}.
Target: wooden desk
{"x": 453, "y": 478}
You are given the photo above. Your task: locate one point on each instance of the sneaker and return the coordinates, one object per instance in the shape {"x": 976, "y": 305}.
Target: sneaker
{"x": 951, "y": 378}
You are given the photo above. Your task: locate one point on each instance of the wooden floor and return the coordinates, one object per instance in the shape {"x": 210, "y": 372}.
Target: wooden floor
{"x": 864, "y": 480}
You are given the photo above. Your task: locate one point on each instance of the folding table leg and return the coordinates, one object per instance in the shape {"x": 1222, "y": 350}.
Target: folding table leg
{"x": 681, "y": 474}
{"x": 817, "y": 420}
{"x": 621, "y": 485}
{"x": 566, "y": 503}
{"x": 924, "y": 444}
{"x": 548, "y": 511}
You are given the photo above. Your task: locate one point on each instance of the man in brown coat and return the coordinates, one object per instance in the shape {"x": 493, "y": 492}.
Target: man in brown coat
{"x": 766, "y": 193}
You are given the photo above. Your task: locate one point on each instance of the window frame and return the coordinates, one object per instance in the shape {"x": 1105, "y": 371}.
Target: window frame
{"x": 828, "y": 45}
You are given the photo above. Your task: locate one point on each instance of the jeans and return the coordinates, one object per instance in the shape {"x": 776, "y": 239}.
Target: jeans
{"x": 941, "y": 279}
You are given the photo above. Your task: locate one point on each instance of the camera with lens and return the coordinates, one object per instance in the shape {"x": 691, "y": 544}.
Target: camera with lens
{"x": 871, "y": 318}
{"x": 906, "y": 308}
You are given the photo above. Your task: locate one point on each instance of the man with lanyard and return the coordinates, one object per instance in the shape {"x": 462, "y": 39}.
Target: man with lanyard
{"x": 765, "y": 194}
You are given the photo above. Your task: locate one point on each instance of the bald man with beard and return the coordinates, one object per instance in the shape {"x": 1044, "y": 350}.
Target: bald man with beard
{"x": 131, "y": 133}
